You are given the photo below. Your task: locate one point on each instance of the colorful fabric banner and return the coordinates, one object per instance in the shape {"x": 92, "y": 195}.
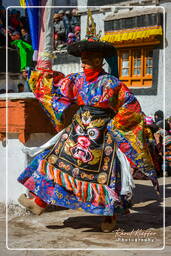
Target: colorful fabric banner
{"x": 33, "y": 16}
{"x": 118, "y": 36}
{"x": 23, "y": 3}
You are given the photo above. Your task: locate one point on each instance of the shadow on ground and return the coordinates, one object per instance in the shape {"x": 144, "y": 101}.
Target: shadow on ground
{"x": 147, "y": 213}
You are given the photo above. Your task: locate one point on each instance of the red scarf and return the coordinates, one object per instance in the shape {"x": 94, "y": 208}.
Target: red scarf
{"x": 92, "y": 74}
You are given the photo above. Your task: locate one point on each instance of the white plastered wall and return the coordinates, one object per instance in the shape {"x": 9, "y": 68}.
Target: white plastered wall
{"x": 16, "y": 160}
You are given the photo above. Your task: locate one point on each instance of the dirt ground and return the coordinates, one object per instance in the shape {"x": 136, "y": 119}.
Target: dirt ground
{"x": 61, "y": 231}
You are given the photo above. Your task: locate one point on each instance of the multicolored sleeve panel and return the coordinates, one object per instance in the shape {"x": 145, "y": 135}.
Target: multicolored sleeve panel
{"x": 44, "y": 89}
{"x": 64, "y": 95}
{"x": 129, "y": 129}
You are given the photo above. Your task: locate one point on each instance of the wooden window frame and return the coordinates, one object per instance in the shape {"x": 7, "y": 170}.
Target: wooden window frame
{"x": 136, "y": 81}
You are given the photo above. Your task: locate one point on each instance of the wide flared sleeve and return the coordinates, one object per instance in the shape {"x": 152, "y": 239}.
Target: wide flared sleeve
{"x": 128, "y": 129}
{"x": 54, "y": 93}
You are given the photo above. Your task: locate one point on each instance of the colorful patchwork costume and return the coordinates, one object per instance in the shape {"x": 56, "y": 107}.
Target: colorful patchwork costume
{"x": 83, "y": 168}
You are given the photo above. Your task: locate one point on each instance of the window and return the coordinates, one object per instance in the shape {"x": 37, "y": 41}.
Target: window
{"x": 135, "y": 66}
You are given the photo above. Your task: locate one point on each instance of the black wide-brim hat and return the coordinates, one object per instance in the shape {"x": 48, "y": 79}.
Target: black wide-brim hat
{"x": 103, "y": 48}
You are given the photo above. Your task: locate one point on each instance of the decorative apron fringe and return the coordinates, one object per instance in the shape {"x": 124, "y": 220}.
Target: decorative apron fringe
{"x": 85, "y": 191}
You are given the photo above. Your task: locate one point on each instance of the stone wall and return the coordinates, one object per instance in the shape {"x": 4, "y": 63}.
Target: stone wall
{"x": 66, "y": 63}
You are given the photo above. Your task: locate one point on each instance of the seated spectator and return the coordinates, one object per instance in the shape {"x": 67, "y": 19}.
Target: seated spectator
{"x": 71, "y": 38}
{"x": 66, "y": 28}
{"x": 77, "y": 33}
{"x": 156, "y": 148}
{"x": 20, "y": 87}
{"x": 157, "y": 153}
{"x": 158, "y": 116}
{"x": 10, "y": 30}
{"x": 160, "y": 138}
{"x": 2, "y": 37}
{"x": 59, "y": 30}
{"x": 2, "y": 27}
{"x": 15, "y": 35}
{"x": 67, "y": 22}
{"x": 2, "y": 91}
{"x": 10, "y": 91}
{"x": 24, "y": 22}
{"x": 14, "y": 20}
{"x": 24, "y": 79}
{"x": 75, "y": 19}
{"x": 61, "y": 13}
{"x": 18, "y": 14}
{"x": 168, "y": 155}
{"x": 2, "y": 15}
{"x": 169, "y": 125}
{"x": 25, "y": 35}
{"x": 163, "y": 127}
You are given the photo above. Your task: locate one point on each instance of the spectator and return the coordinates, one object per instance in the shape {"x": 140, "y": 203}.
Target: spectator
{"x": 67, "y": 22}
{"x": 25, "y": 35}
{"x": 25, "y": 75}
{"x": 10, "y": 32}
{"x": 2, "y": 25}
{"x": 71, "y": 38}
{"x": 20, "y": 87}
{"x": 2, "y": 91}
{"x": 160, "y": 139}
{"x": 61, "y": 13}
{"x": 158, "y": 116}
{"x": 2, "y": 37}
{"x": 18, "y": 14}
{"x": 10, "y": 91}
{"x": 24, "y": 22}
{"x": 168, "y": 155}
{"x": 14, "y": 20}
{"x": 2, "y": 15}
{"x": 77, "y": 33}
{"x": 59, "y": 30}
{"x": 15, "y": 35}
{"x": 163, "y": 127}
{"x": 169, "y": 125}
{"x": 155, "y": 144}
{"x": 75, "y": 19}
{"x": 66, "y": 28}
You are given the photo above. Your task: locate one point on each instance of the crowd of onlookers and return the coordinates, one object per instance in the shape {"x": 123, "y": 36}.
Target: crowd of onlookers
{"x": 66, "y": 28}
{"x": 161, "y": 129}
{"x": 66, "y": 24}
{"x": 18, "y": 27}
{"x": 159, "y": 140}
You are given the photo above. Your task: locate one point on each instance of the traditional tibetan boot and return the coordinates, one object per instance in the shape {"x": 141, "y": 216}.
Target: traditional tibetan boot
{"x": 30, "y": 204}
{"x": 108, "y": 224}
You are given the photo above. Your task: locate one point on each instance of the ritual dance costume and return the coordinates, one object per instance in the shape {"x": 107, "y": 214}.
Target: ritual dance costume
{"x": 88, "y": 166}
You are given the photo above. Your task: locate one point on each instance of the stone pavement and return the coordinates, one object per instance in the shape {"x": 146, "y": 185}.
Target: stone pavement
{"x": 139, "y": 233}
